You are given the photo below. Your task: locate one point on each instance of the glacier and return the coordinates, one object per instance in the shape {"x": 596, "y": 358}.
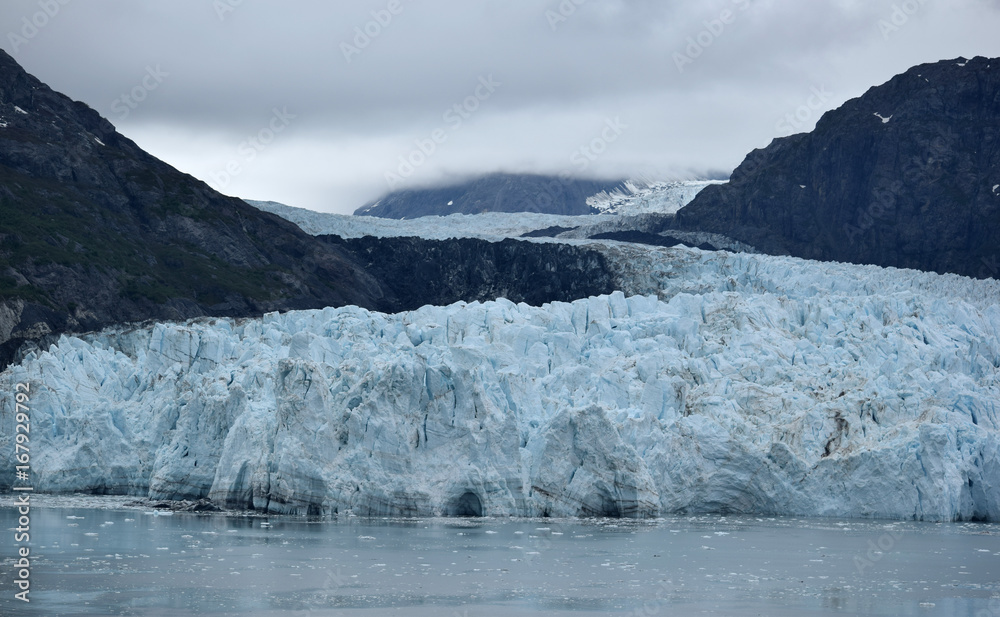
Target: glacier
{"x": 630, "y": 208}
{"x": 491, "y": 226}
{"x": 639, "y": 197}
{"x": 713, "y": 382}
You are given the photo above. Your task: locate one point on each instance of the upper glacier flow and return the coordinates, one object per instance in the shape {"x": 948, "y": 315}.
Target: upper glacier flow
{"x": 619, "y": 210}
{"x": 638, "y": 197}
{"x": 716, "y": 382}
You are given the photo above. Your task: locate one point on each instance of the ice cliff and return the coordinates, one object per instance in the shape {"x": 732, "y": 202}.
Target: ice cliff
{"x": 749, "y": 384}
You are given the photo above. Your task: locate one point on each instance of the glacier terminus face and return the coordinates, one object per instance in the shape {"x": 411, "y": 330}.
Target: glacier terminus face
{"x": 713, "y": 390}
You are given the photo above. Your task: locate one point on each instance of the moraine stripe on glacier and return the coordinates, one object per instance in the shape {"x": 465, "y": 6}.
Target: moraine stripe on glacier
{"x": 753, "y": 384}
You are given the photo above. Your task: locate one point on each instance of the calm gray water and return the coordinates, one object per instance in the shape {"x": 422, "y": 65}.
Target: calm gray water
{"x": 110, "y": 560}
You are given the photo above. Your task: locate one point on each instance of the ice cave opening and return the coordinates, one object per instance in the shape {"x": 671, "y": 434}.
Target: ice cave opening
{"x": 468, "y": 504}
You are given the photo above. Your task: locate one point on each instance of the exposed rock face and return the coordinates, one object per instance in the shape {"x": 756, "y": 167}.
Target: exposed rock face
{"x": 907, "y": 175}
{"x": 416, "y": 272}
{"x": 492, "y": 193}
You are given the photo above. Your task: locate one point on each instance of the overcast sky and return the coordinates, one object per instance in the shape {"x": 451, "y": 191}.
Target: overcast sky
{"x": 319, "y": 104}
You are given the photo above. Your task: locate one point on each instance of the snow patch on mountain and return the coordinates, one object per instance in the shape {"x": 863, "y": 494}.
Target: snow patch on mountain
{"x": 646, "y": 198}
{"x": 746, "y": 384}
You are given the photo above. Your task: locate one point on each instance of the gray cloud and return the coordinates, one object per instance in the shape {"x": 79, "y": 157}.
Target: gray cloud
{"x": 564, "y": 70}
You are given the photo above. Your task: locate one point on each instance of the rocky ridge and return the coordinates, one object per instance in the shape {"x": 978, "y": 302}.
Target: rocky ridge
{"x": 907, "y": 175}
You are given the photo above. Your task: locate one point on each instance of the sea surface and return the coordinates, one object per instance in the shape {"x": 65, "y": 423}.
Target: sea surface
{"x": 99, "y": 556}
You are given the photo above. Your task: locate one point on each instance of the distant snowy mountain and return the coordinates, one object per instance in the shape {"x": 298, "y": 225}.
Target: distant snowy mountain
{"x": 499, "y": 192}
{"x": 732, "y": 383}
{"x": 511, "y": 193}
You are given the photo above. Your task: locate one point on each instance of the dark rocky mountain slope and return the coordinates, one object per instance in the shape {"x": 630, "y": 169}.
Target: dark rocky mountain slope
{"x": 492, "y": 193}
{"x": 907, "y": 175}
{"x": 95, "y": 232}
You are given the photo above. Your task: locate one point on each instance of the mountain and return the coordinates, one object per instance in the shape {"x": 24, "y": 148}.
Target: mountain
{"x": 492, "y": 193}
{"x": 907, "y": 175}
{"x": 95, "y": 232}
